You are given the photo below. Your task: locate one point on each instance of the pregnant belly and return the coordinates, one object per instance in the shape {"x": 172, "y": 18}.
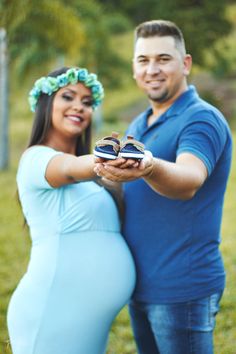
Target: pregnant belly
{"x": 99, "y": 264}
{"x": 88, "y": 265}
{"x": 75, "y": 285}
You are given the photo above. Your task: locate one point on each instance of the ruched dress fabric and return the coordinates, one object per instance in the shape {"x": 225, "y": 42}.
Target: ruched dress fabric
{"x": 81, "y": 272}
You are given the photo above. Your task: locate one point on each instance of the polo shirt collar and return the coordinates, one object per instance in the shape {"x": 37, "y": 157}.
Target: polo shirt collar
{"x": 182, "y": 102}
{"x": 177, "y": 107}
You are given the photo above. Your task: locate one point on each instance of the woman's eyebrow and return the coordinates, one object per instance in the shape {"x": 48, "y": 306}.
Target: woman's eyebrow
{"x": 75, "y": 92}
{"x": 70, "y": 90}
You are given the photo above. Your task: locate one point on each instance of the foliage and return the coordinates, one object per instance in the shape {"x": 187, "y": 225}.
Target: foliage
{"x": 203, "y": 22}
{"x": 38, "y": 33}
{"x": 70, "y": 30}
{"x": 221, "y": 59}
{"x": 80, "y": 31}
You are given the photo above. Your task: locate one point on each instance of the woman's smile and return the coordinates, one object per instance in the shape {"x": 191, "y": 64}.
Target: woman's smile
{"x": 75, "y": 118}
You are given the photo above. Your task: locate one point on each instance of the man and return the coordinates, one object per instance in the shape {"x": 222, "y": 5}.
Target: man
{"x": 173, "y": 200}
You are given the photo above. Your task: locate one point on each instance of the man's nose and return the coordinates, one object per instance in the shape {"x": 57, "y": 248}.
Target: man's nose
{"x": 153, "y": 68}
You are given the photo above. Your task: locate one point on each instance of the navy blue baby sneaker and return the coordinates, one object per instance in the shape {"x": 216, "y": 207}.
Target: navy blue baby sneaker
{"x": 108, "y": 147}
{"x": 131, "y": 149}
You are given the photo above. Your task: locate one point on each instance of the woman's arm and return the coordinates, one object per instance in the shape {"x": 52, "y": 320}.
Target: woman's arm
{"x": 66, "y": 169}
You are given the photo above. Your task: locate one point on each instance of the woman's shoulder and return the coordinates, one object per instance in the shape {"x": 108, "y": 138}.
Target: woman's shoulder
{"x": 35, "y": 155}
{"x": 33, "y": 164}
{"x": 38, "y": 150}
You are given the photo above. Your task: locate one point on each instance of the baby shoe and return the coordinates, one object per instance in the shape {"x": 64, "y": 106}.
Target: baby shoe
{"x": 132, "y": 149}
{"x": 108, "y": 147}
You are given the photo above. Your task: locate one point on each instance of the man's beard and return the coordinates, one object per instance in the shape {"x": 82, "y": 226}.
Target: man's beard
{"x": 159, "y": 97}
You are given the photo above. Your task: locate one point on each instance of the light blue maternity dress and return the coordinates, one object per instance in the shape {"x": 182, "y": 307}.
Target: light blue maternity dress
{"x": 80, "y": 272}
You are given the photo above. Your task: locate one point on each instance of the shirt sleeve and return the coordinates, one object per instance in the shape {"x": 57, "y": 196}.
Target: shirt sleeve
{"x": 205, "y": 138}
{"x": 32, "y": 168}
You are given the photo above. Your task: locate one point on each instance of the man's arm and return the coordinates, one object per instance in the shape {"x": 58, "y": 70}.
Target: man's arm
{"x": 178, "y": 180}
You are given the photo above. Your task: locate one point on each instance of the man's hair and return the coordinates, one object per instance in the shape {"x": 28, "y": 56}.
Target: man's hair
{"x": 161, "y": 28}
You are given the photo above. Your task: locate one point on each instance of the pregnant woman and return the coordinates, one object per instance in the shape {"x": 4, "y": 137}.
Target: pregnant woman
{"x": 80, "y": 272}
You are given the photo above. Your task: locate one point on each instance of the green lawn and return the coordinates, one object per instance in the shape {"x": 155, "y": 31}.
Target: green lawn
{"x": 15, "y": 245}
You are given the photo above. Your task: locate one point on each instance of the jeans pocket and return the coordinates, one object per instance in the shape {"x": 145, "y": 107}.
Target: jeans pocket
{"x": 202, "y": 313}
{"x": 214, "y": 305}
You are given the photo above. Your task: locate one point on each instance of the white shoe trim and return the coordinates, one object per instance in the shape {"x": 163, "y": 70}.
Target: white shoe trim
{"x": 131, "y": 155}
{"x": 104, "y": 155}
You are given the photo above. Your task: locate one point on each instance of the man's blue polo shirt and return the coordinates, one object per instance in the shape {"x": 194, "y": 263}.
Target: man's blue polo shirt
{"x": 175, "y": 243}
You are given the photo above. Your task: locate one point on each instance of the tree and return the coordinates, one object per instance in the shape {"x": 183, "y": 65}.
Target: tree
{"x": 97, "y": 53}
{"x": 203, "y": 22}
{"x": 221, "y": 58}
{"x": 39, "y": 32}
{"x": 77, "y": 30}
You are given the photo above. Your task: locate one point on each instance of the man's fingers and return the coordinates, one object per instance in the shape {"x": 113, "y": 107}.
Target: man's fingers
{"x": 117, "y": 162}
{"x": 129, "y": 163}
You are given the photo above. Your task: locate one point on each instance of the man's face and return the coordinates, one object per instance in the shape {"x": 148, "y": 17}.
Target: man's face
{"x": 160, "y": 69}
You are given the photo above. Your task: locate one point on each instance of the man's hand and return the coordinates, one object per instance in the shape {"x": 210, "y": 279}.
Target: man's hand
{"x": 124, "y": 170}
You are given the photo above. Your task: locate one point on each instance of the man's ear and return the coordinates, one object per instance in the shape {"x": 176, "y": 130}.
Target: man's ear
{"x": 187, "y": 64}
{"x": 134, "y": 75}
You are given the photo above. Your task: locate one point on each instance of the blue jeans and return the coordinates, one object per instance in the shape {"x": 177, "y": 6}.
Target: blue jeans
{"x": 179, "y": 328}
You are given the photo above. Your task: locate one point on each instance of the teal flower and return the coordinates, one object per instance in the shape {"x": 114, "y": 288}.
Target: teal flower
{"x": 82, "y": 75}
{"x": 35, "y": 92}
{"x": 91, "y": 80}
{"x": 39, "y": 83}
{"x": 72, "y": 76}
{"x": 50, "y": 85}
{"x": 96, "y": 96}
{"x": 33, "y": 101}
{"x": 62, "y": 80}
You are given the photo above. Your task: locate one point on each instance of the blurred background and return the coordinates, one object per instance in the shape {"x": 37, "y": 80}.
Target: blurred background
{"x": 39, "y": 36}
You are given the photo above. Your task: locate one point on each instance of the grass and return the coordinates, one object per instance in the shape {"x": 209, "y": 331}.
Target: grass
{"x": 15, "y": 247}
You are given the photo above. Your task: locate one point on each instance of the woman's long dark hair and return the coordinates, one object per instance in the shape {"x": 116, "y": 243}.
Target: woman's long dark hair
{"x": 43, "y": 120}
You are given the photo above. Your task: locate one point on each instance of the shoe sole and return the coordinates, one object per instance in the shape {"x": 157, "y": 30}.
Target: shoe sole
{"x": 130, "y": 155}
{"x": 104, "y": 155}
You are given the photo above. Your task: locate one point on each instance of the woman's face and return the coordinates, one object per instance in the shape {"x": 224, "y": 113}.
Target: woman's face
{"x": 71, "y": 111}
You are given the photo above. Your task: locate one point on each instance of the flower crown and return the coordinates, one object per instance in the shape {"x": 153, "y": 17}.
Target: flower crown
{"x": 50, "y": 84}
